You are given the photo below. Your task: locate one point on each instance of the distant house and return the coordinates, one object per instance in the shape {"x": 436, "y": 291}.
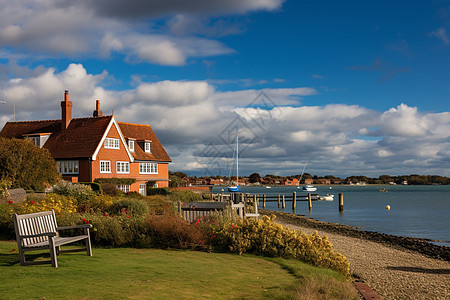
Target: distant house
{"x": 309, "y": 181}
{"x": 290, "y": 182}
{"x": 325, "y": 181}
{"x": 98, "y": 147}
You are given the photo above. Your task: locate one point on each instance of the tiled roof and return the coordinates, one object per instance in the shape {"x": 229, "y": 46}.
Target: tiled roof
{"x": 144, "y": 133}
{"x": 83, "y": 135}
{"x": 80, "y": 139}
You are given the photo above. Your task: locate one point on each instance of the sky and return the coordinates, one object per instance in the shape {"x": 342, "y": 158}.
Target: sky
{"x": 349, "y": 87}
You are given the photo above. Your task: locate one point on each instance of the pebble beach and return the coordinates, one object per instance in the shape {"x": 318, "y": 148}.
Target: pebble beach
{"x": 394, "y": 267}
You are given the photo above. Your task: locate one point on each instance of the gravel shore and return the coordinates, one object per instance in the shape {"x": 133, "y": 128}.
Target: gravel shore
{"x": 395, "y": 267}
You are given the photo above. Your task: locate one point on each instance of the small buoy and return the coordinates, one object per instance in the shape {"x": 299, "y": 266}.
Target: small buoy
{"x": 388, "y": 207}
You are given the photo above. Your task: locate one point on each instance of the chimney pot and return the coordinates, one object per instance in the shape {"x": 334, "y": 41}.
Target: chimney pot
{"x": 97, "y": 111}
{"x": 66, "y": 111}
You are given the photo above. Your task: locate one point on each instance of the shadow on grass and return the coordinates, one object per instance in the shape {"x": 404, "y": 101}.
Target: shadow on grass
{"x": 8, "y": 260}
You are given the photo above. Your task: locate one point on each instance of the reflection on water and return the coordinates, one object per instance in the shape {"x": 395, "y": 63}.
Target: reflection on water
{"x": 416, "y": 211}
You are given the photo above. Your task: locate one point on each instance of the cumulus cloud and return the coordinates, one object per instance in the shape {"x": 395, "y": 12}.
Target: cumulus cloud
{"x": 194, "y": 120}
{"x": 100, "y": 28}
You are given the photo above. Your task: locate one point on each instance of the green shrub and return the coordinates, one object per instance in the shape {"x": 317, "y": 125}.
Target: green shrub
{"x": 116, "y": 181}
{"x": 4, "y": 186}
{"x": 110, "y": 189}
{"x": 157, "y": 191}
{"x": 95, "y": 186}
{"x": 185, "y": 196}
{"x": 83, "y": 193}
{"x": 115, "y": 231}
{"x": 130, "y": 207}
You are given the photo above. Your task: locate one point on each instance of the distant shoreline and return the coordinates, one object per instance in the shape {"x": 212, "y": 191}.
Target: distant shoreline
{"x": 422, "y": 246}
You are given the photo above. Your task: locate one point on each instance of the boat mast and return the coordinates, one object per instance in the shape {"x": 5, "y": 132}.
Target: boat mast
{"x": 237, "y": 160}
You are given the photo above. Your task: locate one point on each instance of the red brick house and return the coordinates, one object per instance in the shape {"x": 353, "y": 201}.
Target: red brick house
{"x": 290, "y": 182}
{"x": 98, "y": 147}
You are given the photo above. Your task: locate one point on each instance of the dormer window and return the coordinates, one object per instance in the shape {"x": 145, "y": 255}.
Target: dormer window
{"x": 38, "y": 139}
{"x": 131, "y": 145}
{"x": 147, "y": 147}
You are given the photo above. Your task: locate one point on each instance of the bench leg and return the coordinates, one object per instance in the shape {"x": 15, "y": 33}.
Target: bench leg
{"x": 88, "y": 242}
{"x": 51, "y": 242}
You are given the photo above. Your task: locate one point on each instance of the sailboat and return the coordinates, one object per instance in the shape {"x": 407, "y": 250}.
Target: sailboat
{"x": 236, "y": 188}
{"x": 307, "y": 187}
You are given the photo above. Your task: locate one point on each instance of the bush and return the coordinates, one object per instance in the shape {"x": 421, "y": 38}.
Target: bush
{"x": 129, "y": 206}
{"x": 118, "y": 231}
{"x": 185, "y": 196}
{"x": 264, "y": 237}
{"x": 167, "y": 231}
{"x": 110, "y": 189}
{"x": 157, "y": 191}
{"x": 95, "y": 186}
{"x": 83, "y": 193}
{"x": 25, "y": 165}
{"x": 58, "y": 203}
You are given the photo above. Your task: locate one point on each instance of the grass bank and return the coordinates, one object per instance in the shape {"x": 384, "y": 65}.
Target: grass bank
{"x": 129, "y": 273}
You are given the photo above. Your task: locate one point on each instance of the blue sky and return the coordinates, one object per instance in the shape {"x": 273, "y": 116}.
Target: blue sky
{"x": 354, "y": 87}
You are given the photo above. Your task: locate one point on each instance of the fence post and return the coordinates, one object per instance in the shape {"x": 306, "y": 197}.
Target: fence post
{"x": 341, "y": 202}
{"x": 279, "y": 200}
{"x": 264, "y": 201}
{"x": 283, "y": 203}
{"x": 294, "y": 200}
{"x": 179, "y": 208}
{"x": 309, "y": 201}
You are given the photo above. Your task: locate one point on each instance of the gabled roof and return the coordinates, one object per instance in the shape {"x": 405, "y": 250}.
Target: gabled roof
{"x": 84, "y": 136}
{"x": 79, "y": 140}
{"x": 143, "y": 133}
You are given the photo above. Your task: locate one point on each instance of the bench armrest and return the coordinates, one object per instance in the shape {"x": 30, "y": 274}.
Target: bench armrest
{"x": 74, "y": 227}
{"x": 49, "y": 234}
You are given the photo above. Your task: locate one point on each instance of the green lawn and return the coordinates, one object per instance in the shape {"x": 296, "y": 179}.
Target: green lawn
{"x": 128, "y": 273}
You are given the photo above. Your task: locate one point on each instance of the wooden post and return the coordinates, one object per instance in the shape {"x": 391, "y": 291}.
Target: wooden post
{"x": 309, "y": 201}
{"x": 341, "y": 202}
{"x": 283, "y": 203}
{"x": 294, "y": 200}
{"x": 279, "y": 200}
{"x": 264, "y": 201}
{"x": 179, "y": 208}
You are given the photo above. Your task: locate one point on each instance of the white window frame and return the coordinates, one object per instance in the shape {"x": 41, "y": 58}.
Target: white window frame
{"x": 143, "y": 189}
{"x": 124, "y": 187}
{"x": 147, "y": 147}
{"x": 122, "y": 167}
{"x": 112, "y": 143}
{"x": 148, "y": 168}
{"x": 131, "y": 145}
{"x": 105, "y": 166}
{"x": 68, "y": 167}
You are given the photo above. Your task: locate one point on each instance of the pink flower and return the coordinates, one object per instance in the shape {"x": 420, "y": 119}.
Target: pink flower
{"x": 128, "y": 216}
{"x": 32, "y": 202}
{"x": 10, "y": 202}
{"x": 201, "y": 242}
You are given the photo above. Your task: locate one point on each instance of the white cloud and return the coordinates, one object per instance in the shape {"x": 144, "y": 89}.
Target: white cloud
{"x": 441, "y": 34}
{"x": 100, "y": 28}
{"x": 190, "y": 117}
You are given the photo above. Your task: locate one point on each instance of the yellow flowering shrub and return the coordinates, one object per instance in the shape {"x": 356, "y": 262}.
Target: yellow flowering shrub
{"x": 265, "y": 237}
{"x": 56, "y": 202}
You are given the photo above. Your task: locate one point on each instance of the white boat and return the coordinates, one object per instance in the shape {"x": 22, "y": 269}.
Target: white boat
{"x": 236, "y": 188}
{"x": 327, "y": 197}
{"x": 268, "y": 187}
{"x": 309, "y": 188}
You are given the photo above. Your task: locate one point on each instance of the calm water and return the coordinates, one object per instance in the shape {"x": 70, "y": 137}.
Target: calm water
{"x": 416, "y": 211}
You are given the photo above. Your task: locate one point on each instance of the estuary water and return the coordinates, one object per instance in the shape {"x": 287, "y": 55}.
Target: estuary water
{"x": 415, "y": 211}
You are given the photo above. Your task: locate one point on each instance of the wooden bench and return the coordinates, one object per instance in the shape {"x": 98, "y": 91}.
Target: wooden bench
{"x": 39, "y": 231}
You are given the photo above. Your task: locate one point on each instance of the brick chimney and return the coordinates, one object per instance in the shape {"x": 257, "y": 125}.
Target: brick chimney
{"x": 66, "y": 111}
{"x": 97, "y": 111}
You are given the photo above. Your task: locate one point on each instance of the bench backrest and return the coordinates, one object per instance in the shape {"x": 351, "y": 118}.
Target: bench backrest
{"x": 35, "y": 223}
